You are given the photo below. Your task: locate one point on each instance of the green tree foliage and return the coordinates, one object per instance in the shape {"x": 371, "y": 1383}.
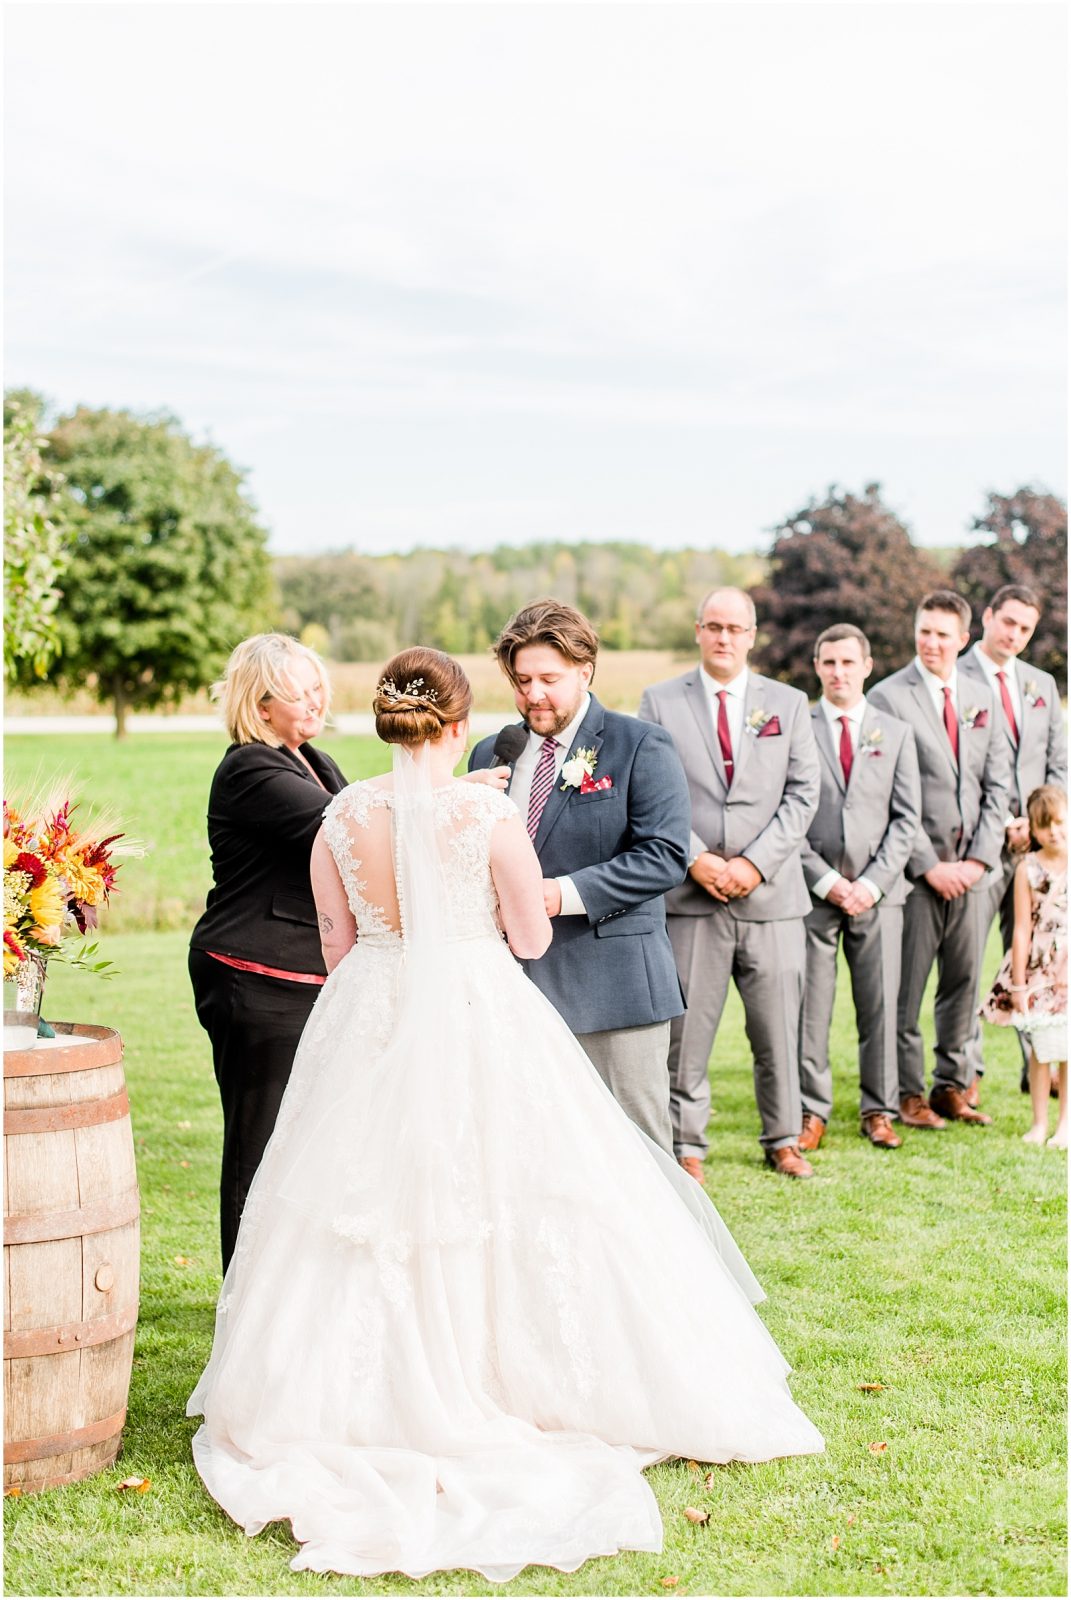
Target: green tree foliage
{"x": 169, "y": 568}
{"x": 846, "y": 558}
{"x": 1026, "y": 536}
{"x": 370, "y": 606}
{"x": 35, "y": 542}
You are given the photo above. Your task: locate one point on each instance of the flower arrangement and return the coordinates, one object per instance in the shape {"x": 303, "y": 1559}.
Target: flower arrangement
{"x": 56, "y": 878}
{"x": 579, "y": 769}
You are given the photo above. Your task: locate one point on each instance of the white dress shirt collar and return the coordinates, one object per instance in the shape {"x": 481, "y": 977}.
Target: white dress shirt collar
{"x": 991, "y": 668}
{"x": 736, "y": 686}
{"x": 834, "y": 713}
{"x": 936, "y": 685}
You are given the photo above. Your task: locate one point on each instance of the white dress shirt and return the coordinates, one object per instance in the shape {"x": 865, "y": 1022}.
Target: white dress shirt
{"x": 520, "y": 791}
{"x": 991, "y": 668}
{"x": 855, "y": 716}
{"x": 735, "y": 690}
{"x": 936, "y": 687}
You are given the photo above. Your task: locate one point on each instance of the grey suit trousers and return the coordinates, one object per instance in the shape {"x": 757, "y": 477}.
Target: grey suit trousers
{"x": 872, "y": 950}
{"x": 632, "y": 1064}
{"x": 950, "y": 933}
{"x": 999, "y": 898}
{"x": 766, "y": 961}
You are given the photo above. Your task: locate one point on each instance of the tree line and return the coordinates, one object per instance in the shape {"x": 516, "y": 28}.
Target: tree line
{"x": 134, "y": 560}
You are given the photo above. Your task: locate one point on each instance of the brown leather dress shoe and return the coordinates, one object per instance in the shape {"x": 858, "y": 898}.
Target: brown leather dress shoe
{"x": 879, "y": 1130}
{"x": 974, "y": 1093}
{"x": 692, "y": 1166}
{"x": 813, "y": 1129}
{"x": 948, "y": 1101}
{"x": 915, "y": 1113}
{"x": 788, "y": 1162}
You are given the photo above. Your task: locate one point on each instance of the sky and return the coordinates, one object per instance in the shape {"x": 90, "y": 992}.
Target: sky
{"x": 469, "y": 274}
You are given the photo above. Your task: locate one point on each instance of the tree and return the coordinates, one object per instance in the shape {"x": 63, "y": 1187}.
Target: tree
{"x": 35, "y": 542}
{"x": 1028, "y": 544}
{"x": 841, "y": 559}
{"x": 169, "y": 569}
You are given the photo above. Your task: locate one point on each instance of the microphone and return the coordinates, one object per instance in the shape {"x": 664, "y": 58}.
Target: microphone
{"x": 510, "y": 742}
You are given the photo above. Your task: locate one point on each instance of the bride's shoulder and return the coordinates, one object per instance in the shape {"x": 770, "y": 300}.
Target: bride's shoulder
{"x": 356, "y": 800}
{"x": 482, "y": 798}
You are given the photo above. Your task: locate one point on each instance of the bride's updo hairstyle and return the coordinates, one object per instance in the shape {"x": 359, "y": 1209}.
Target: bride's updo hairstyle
{"x": 420, "y": 691}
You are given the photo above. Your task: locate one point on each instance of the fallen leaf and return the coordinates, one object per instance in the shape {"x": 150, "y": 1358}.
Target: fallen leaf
{"x": 139, "y": 1484}
{"x": 693, "y": 1466}
{"x": 836, "y": 1541}
{"x": 184, "y": 1261}
{"x": 851, "y": 1519}
{"x": 670, "y": 1583}
{"x": 696, "y": 1516}
{"x": 708, "y": 1481}
{"x": 184, "y": 1163}
{"x": 184, "y": 1125}
{"x": 878, "y": 1449}
{"x": 13, "y": 1491}
{"x": 869, "y": 1388}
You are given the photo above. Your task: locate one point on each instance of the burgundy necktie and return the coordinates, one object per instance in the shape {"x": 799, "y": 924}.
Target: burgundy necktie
{"x": 723, "y": 736}
{"x": 542, "y": 784}
{"x": 1009, "y": 709}
{"x": 951, "y": 725}
{"x": 845, "y": 749}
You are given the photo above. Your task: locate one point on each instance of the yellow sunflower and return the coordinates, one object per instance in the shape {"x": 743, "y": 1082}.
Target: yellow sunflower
{"x": 47, "y": 907}
{"x": 86, "y": 883}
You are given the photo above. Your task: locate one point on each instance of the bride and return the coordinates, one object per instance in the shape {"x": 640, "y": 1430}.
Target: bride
{"x": 470, "y": 1300}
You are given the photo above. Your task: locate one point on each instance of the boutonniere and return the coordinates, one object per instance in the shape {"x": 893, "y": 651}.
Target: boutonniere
{"x": 975, "y": 717}
{"x": 870, "y": 742}
{"x": 762, "y": 723}
{"x": 578, "y": 770}
{"x": 1033, "y": 698}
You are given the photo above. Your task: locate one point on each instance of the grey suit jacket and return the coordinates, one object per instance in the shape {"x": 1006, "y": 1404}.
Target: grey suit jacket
{"x": 765, "y": 813}
{"x": 964, "y": 805}
{"x": 866, "y": 828}
{"x": 1041, "y": 756}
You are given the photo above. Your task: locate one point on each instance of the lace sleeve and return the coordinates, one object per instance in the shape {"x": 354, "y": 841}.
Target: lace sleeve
{"x": 499, "y": 805}
{"x": 347, "y": 810}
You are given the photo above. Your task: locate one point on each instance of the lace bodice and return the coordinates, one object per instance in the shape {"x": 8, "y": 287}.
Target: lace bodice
{"x": 465, "y": 815}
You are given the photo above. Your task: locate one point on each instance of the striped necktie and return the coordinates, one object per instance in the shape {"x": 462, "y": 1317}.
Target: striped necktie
{"x": 542, "y": 784}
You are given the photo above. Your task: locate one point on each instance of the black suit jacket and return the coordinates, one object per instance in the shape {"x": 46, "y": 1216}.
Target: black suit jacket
{"x": 264, "y": 811}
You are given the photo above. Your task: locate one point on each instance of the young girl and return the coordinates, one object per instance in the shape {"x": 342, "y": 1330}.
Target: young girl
{"x": 1030, "y": 990}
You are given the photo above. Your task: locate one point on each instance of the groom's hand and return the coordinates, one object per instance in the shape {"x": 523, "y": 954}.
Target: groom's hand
{"x": 552, "y": 896}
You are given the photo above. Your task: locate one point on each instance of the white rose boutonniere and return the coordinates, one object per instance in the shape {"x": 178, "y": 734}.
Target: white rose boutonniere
{"x": 869, "y": 744}
{"x": 580, "y": 766}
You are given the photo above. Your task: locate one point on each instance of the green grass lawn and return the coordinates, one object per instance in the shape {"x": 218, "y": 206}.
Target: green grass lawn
{"x": 936, "y": 1271}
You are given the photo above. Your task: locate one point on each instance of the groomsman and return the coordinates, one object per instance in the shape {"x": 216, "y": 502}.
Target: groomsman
{"x": 966, "y": 775}
{"x": 749, "y": 756}
{"x": 853, "y": 860}
{"x": 1031, "y": 717}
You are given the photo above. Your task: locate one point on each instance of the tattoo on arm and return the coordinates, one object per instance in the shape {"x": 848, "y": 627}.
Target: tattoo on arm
{"x": 325, "y": 923}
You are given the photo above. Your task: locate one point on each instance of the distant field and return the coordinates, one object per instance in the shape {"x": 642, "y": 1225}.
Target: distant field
{"x": 621, "y": 678}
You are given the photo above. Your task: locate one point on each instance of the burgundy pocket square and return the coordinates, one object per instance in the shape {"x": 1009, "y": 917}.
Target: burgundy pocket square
{"x": 981, "y": 720}
{"x": 1039, "y": 704}
{"x": 771, "y": 729}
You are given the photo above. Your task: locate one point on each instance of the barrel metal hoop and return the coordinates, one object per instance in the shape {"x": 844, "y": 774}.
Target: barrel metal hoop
{"x": 58, "y": 1444}
{"x": 78, "y": 1114}
{"x": 68, "y": 1335}
{"x": 97, "y": 1217}
{"x": 96, "y": 1047}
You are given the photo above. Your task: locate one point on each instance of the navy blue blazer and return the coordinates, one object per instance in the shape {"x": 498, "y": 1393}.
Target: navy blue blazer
{"x": 623, "y": 847}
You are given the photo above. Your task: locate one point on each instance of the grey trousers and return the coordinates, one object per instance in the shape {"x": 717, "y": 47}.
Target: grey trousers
{"x": 1000, "y": 899}
{"x": 632, "y": 1064}
{"x": 872, "y": 950}
{"x": 948, "y": 932}
{"x": 766, "y": 962}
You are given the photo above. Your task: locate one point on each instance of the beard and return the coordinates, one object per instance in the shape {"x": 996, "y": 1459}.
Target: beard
{"x": 551, "y": 722}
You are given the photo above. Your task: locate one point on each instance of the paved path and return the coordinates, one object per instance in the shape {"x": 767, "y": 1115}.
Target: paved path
{"x": 153, "y": 722}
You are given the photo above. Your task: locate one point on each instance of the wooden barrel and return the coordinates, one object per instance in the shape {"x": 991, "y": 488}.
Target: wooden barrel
{"x": 70, "y": 1256}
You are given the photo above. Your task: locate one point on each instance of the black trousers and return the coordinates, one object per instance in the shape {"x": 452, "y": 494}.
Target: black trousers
{"x": 254, "y": 1023}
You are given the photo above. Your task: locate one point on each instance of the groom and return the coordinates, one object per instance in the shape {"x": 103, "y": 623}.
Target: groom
{"x": 606, "y": 804}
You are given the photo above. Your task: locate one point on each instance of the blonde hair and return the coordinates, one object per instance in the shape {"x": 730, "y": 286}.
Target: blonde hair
{"x": 420, "y": 692}
{"x": 258, "y": 671}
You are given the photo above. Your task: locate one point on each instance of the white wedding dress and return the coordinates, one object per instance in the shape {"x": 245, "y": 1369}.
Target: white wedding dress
{"x": 470, "y": 1301}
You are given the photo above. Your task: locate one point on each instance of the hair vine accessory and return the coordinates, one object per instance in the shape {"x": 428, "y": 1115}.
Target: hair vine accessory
{"x": 414, "y": 690}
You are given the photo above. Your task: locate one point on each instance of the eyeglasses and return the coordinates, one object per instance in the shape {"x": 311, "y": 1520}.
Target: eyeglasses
{"x": 733, "y": 629}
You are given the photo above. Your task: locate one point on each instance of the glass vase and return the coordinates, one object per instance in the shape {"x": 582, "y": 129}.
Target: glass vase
{"x": 23, "y": 992}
